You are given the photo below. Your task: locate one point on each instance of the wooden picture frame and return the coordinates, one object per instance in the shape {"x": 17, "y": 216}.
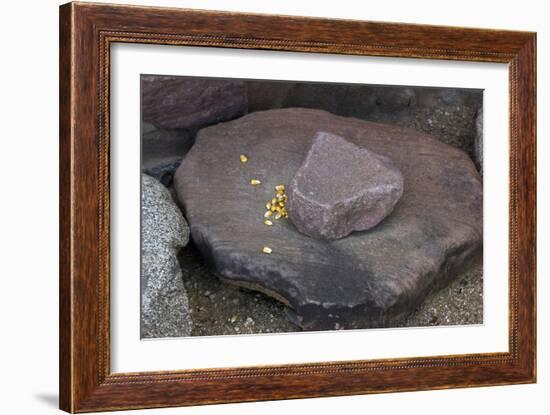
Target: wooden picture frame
{"x": 86, "y": 33}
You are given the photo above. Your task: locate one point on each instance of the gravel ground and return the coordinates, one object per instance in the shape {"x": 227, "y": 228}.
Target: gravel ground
{"x": 219, "y": 308}
{"x": 459, "y": 303}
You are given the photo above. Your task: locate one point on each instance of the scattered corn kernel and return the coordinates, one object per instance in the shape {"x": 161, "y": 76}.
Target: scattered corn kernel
{"x": 268, "y": 206}
{"x": 254, "y": 182}
{"x": 243, "y": 158}
{"x": 280, "y": 187}
{"x": 267, "y": 250}
{"x": 268, "y": 222}
{"x": 278, "y": 215}
{"x": 268, "y": 214}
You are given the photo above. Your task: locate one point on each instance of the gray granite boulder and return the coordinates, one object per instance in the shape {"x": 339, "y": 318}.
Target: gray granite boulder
{"x": 478, "y": 144}
{"x": 341, "y": 188}
{"x": 184, "y": 102}
{"x": 162, "y": 150}
{"x": 368, "y": 279}
{"x": 164, "y": 302}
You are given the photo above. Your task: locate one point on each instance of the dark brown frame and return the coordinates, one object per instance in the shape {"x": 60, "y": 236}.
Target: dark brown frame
{"x": 86, "y": 33}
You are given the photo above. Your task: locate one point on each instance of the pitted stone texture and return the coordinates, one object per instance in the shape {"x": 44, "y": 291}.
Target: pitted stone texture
{"x": 367, "y": 279}
{"x": 164, "y": 303}
{"x": 342, "y": 188}
{"x": 478, "y": 144}
{"x": 182, "y": 102}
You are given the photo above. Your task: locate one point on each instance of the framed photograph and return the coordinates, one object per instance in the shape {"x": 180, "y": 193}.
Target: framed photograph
{"x": 258, "y": 207}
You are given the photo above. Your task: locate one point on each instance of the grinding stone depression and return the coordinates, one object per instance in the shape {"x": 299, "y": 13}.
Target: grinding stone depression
{"x": 342, "y": 188}
{"x": 364, "y": 280}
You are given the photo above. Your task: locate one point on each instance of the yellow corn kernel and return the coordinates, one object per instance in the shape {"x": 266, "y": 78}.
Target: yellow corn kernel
{"x": 254, "y": 182}
{"x": 280, "y": 187}
{"x": 268, "y": 222}
{"x": 243, "y": 158}
{"x": 267, "y": 250}
{"x": 268, "y": 206}
{"x": 278, "y": 215}
{"x": 268, "y": 214}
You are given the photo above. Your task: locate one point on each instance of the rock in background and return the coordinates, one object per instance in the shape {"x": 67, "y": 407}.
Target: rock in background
{"x": 162, "y": 151}
{"x": 478, "y": 144}
{"x": 191, "y": 103}
{"x": 164, "y": 232}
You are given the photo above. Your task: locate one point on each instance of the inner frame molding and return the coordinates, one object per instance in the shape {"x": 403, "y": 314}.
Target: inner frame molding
{"x": 86, "y": 34}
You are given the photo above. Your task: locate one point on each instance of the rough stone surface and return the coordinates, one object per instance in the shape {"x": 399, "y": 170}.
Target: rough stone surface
{"x": 449, "y": 114}
{"x": 341, "y": 188}
{"x": 367, "y": 279}
{"x": 182, "y": 102}
{"x": 164, "y": 302}
{"x": 220, "y": 308}
{"x": 478, "y": 144}
{"x": 162, "y": 151}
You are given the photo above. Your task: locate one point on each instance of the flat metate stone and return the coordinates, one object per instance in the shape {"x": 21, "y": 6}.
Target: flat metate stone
{"x": 367, "y": 279}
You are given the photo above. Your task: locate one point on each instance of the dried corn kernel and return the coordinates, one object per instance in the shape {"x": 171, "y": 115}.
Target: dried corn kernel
{"x": 243, "y": 158}
{"x": 267, "y": 250}
{"x": 268, "y": 222}
{"x": 254, "y": 182}
{"x": 276, "y": 206}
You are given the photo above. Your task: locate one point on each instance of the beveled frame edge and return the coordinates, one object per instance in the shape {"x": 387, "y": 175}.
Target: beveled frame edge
{"x": 86, "y": 33}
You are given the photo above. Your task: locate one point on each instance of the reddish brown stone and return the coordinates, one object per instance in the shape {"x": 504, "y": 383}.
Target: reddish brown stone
{"x": 182, "y": 102}
{"x": 342, "y": 188}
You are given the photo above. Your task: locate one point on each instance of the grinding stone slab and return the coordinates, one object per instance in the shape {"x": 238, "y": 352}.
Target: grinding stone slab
{"x": 364, "y": 280}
